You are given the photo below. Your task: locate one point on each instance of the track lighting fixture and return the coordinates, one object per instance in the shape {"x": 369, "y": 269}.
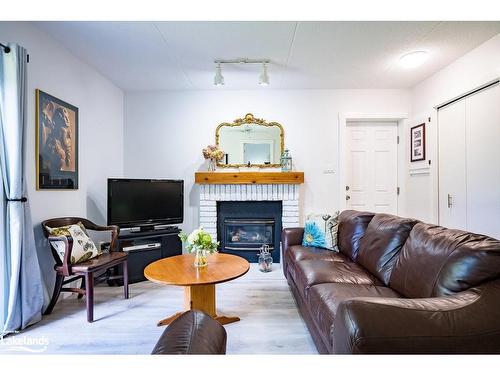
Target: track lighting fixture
{"x": 263, "y": 77}
{"x": 219, "y": 78}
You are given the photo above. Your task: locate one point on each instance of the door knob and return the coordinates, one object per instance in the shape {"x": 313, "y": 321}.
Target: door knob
{"x": 346, "y": 188}
{"x": 347, "y": 197}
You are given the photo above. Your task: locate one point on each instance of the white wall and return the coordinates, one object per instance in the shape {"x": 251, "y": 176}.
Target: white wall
{"x": 474, "y": 69}
{"x": 166, "y": 131}
{"x": 54, "y": 70}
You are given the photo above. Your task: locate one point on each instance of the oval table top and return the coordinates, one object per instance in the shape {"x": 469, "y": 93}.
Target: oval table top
{"x": 180, "y": 270}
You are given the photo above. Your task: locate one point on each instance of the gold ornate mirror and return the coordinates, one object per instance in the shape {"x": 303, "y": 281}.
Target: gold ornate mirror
{"x": 250, "y": 142}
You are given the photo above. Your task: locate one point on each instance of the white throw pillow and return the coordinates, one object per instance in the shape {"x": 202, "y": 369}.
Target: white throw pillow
{"x": 83, "y": 247}
{"x": 328, "y": 224}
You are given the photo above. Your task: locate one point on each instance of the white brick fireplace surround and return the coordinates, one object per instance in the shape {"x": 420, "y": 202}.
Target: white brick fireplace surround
{"x": 211, "y": 194}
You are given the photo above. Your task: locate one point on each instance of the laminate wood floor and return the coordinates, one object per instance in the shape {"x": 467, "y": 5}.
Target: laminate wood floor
{"x": 270, "y": 322}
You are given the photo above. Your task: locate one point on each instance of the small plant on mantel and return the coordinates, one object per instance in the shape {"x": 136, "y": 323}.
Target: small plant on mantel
{"x": 213, "y": 154}
{"x": 201, "y": 244}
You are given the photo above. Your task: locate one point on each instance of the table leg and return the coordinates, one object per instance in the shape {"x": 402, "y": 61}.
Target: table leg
{"x": 202, "y": 298}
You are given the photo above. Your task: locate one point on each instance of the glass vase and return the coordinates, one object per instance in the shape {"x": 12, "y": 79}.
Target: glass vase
{"x": 200, "y": 258}
{"x": 212, "y": 165}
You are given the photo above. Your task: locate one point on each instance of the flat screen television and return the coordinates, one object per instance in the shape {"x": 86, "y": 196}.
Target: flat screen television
{"x": 137, "y": 202}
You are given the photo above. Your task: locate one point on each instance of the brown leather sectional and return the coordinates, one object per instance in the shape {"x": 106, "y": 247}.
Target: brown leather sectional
{"x": 397, "y": 285}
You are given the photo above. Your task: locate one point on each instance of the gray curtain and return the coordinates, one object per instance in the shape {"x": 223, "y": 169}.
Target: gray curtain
{"x": 22, "y": 290}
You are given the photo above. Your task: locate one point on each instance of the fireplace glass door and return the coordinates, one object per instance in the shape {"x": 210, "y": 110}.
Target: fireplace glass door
{"x": 248, "y": 234}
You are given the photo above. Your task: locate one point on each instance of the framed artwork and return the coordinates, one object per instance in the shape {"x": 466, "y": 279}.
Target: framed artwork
{"x": 56, "y": 143}
{"x": 417, "y": 140}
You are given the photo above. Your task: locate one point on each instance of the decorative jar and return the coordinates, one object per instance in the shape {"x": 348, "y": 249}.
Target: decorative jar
{"x": 265, "y": 259}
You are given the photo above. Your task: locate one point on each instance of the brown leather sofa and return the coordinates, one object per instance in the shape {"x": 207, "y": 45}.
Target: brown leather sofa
{"x": 397, "y": 286}
{"x": 193, "y": 332}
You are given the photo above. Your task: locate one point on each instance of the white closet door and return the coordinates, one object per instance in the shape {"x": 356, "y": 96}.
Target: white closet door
{"x": 483, "y": 162}
{"x": 452, "y": 166}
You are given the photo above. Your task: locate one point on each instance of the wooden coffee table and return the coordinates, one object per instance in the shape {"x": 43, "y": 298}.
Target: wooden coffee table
{"x": 198, "y": 283}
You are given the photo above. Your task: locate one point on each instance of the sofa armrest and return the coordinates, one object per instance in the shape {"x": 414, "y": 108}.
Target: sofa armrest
{"x": 193, "y": 332}
{"x": 291, "y": 237}
{"x": 467, "y": 322}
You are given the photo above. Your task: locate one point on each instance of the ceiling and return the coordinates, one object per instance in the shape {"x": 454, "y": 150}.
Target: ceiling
{"x": 304, "y": 55}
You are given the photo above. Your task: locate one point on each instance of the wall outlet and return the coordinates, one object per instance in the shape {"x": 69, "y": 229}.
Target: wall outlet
{"x": 328, "y": 171}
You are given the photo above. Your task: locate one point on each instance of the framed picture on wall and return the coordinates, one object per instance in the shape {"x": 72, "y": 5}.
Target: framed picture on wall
{"x": 417, "y": 139}
{"x": 56, "y": 143}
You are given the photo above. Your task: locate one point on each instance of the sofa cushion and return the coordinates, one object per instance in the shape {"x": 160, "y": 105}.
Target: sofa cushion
{"x": 382, "y": 242}
{"x": 324, "y": 299}
{"x": 312, "y": 272}
{"x": 352, "y": 227}
{"x": 299, "y": 252}
{"x": 436, "y": 261}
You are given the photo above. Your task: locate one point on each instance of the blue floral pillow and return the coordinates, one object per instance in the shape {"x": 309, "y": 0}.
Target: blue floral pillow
{"x": 313, "y": 235}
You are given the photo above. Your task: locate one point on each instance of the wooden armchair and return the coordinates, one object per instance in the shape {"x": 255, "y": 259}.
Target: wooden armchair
{"x": 86, "y": 271}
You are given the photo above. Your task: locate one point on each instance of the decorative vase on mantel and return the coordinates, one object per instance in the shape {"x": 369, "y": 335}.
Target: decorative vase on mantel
{"x": 212, "y": 153}
{"x": 212, "y": 164}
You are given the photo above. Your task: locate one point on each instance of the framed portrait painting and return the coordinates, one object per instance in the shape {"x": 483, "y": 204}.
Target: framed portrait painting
{"x": 417, "y": 139}
{"x": 56, "y": 143}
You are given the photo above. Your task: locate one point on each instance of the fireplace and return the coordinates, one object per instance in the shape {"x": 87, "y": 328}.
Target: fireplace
{"x": 243, "y": 227}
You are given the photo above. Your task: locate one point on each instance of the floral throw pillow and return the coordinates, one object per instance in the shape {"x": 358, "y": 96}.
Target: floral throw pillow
{"x": 327, "y": 225}
{"x": 313, "y": 235}
{"x": 84, "y": 248}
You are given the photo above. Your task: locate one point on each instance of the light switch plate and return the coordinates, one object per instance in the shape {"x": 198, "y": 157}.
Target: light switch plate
{"x": 328, "y": 171}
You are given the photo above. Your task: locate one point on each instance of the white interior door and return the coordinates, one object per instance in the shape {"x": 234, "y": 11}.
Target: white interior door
{"x": 452, "y": 166}
{"x": 483, "y": 162}
{"x": 371, "y": 172}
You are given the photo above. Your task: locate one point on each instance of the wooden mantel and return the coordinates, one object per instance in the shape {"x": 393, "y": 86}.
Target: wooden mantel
{"x": 249, "y": 177}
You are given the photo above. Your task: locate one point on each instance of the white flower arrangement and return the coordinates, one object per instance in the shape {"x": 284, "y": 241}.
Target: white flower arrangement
{"x": 199, "y": 240}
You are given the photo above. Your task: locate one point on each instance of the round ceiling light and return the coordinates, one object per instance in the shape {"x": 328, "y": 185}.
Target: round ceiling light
{"x": 413, "y": 59}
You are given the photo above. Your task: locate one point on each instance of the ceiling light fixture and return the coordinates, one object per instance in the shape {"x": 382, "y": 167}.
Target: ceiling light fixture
{"x": 263, "y": 77}
{"x": 413, "y": 59}
{"x": 219, "y": 78}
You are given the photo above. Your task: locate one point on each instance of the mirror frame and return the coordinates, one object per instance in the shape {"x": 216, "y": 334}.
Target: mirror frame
{"x": 249, "y": 119}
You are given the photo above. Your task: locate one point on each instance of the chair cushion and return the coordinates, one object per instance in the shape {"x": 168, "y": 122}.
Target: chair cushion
{"x": 312, "y": 272}
{"x": 325, "y": 299}
{"x": 107, "y": 259}
{"x": 436, "y": 262}
{"x": 382, "y": 242}
{"x": 352, "y": 227}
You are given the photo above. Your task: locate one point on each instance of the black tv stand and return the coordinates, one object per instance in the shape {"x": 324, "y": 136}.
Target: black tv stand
{"x": 145, "y": 245}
